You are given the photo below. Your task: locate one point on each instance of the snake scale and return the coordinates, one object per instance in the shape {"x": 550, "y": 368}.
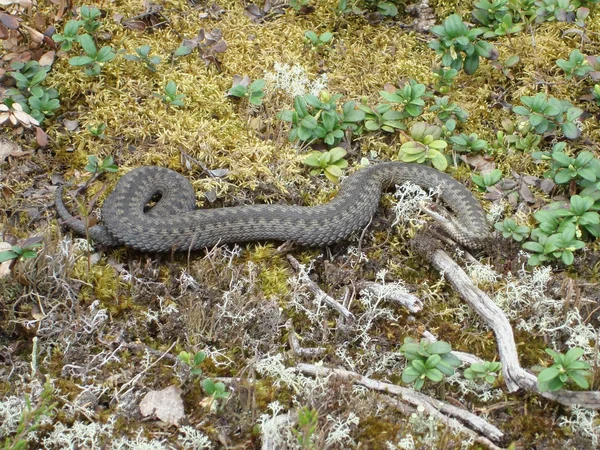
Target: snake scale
{"x": 174, "y": 223}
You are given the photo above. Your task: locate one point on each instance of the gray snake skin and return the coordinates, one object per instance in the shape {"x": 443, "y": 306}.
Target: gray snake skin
{"x": 174, "y": 224}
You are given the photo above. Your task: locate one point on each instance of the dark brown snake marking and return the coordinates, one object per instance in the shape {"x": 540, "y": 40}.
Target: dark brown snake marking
{"x": 174, "y": 223}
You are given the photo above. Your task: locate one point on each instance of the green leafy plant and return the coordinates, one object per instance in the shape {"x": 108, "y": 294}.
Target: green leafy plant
{"x": 381, "y": 117}
{"x": 425, "y": 146}
{"x": 487, "y": 179}
{"x": 331, "y": 163}
{"x": 460, "y": 47}
{"x": 596, "y": 93}
{"x": 217, "y": 391}
{"x": 444, "y": 79}
{"x": 565, "y": 168}
{"x": 308, "y": 418}
{"x": 447, "y": 110}
{"x": 97, "y": 167}
{"x": 317, "y": 118}
{"x": 486, "y": 371}
{"x": 254, "y": 92}
{"x": 97, "y": 130}
{"x": 297, "y": 5}
{"x": 171, "y": 97}
{"x": 548, "y": 113}
{"x": 519, "y": 136}
{"x": 317, "y": 41}
{"x": 94, "y": 59}
{"x": 68, "y": 36}
{"x": 410, "y": 97}
{"x": 562, "y": 11}
{"x": 468, "y": 143}
{"x": 193, "y": 360}
{"x": 507, "y": 65}
{"x": 89, "y": 15}
{"x": 428, "y": 360}
{"x": 575, "y": 66}
{"x": 567, "y": 367}
{"x": 17, "y": 252}
{"x": 44, "y": 106}
{"x": 510, "y": 229}
{"x": 28, "y": 76}
{"x": 143, "y": 55}
{"x": 555, "y": 240}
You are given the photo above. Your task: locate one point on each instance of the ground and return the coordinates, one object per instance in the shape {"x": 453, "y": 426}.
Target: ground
{"x": 86, "y": 332}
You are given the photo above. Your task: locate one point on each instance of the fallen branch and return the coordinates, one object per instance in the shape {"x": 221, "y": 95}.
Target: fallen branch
{"x": 392, "y": 293}
{"x": 457, "y": 418}
{"x": 316, "y": 290}
{"x": 515, "y": 376}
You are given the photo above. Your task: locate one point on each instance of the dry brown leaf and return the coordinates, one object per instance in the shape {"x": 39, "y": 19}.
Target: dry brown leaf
{"x": 47, "y": 59}
{"x": 11, "y": 22}
{"x": 71, "y": 125}
{"x": 166, "y": 405}
{"x": 41, "y": 137}
{"x": 35, "y": 35}
{"x": 9, "y": 148}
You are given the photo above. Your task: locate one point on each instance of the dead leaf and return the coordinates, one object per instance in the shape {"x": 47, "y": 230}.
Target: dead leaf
{"x": 71, "y": 125}
{"x": 240, "y": 80}
{"x": 3, "y": 32}
{"x": 166, "y": 405}
{"x": 39, "y": 20}
{"x": 35, "y": 35}
{"x": 41, "y": 137}
{"x": 9, "y": 148}
{"x": 47, "y": 59}
{"x": 479, "y": 163}
{"x": 5, "y": 266}
{"x": 547, "y": 185}
{"x": 10, "y": 22}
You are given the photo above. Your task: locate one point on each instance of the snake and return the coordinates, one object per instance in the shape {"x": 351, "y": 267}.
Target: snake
{"x": 174, "y": 224}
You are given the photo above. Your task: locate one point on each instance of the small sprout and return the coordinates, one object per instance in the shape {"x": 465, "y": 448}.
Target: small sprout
{"x": 297, "y": 5}
{"x": 308, "y": 419}
{"x": 567, "y": 367}
{"x": 409, "y": 96}
{"x": 486, "y": 371}
{"x": 317, "y": 41}
{"x": 97, "y": 131}
{"x": 468, "y": 144}
{"x": 94, "y": 59}
{"x": 576, "y": 66}
{"x": 330, "y": 163}
{"x": 16, "y": 252}
{"x": 382, "y": 117}
{"x": 510, "y": 229}
{"x": 68, "y": 36}
{"x": 447, "y": 110}
{"x": 254, "y": 92}
{"x": 171, "y": 97}
{"x": 143, "y": 55}
{"x": 96, "y": 166}
{"x": 487, "y": 179}
{"x": 193, "y": 360}
{"x": 89, "y": 16}
{"x": 216, "y": 391}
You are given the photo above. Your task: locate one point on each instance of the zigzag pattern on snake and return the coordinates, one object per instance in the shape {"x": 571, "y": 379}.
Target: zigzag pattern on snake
{"x": 174, "y": 223}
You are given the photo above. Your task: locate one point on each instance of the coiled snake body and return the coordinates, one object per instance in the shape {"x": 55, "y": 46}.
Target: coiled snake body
{"x": 174, "y": 223}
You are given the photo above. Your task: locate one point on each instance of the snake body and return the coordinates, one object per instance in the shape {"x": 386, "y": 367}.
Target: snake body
{"x": 174, "y": 223}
